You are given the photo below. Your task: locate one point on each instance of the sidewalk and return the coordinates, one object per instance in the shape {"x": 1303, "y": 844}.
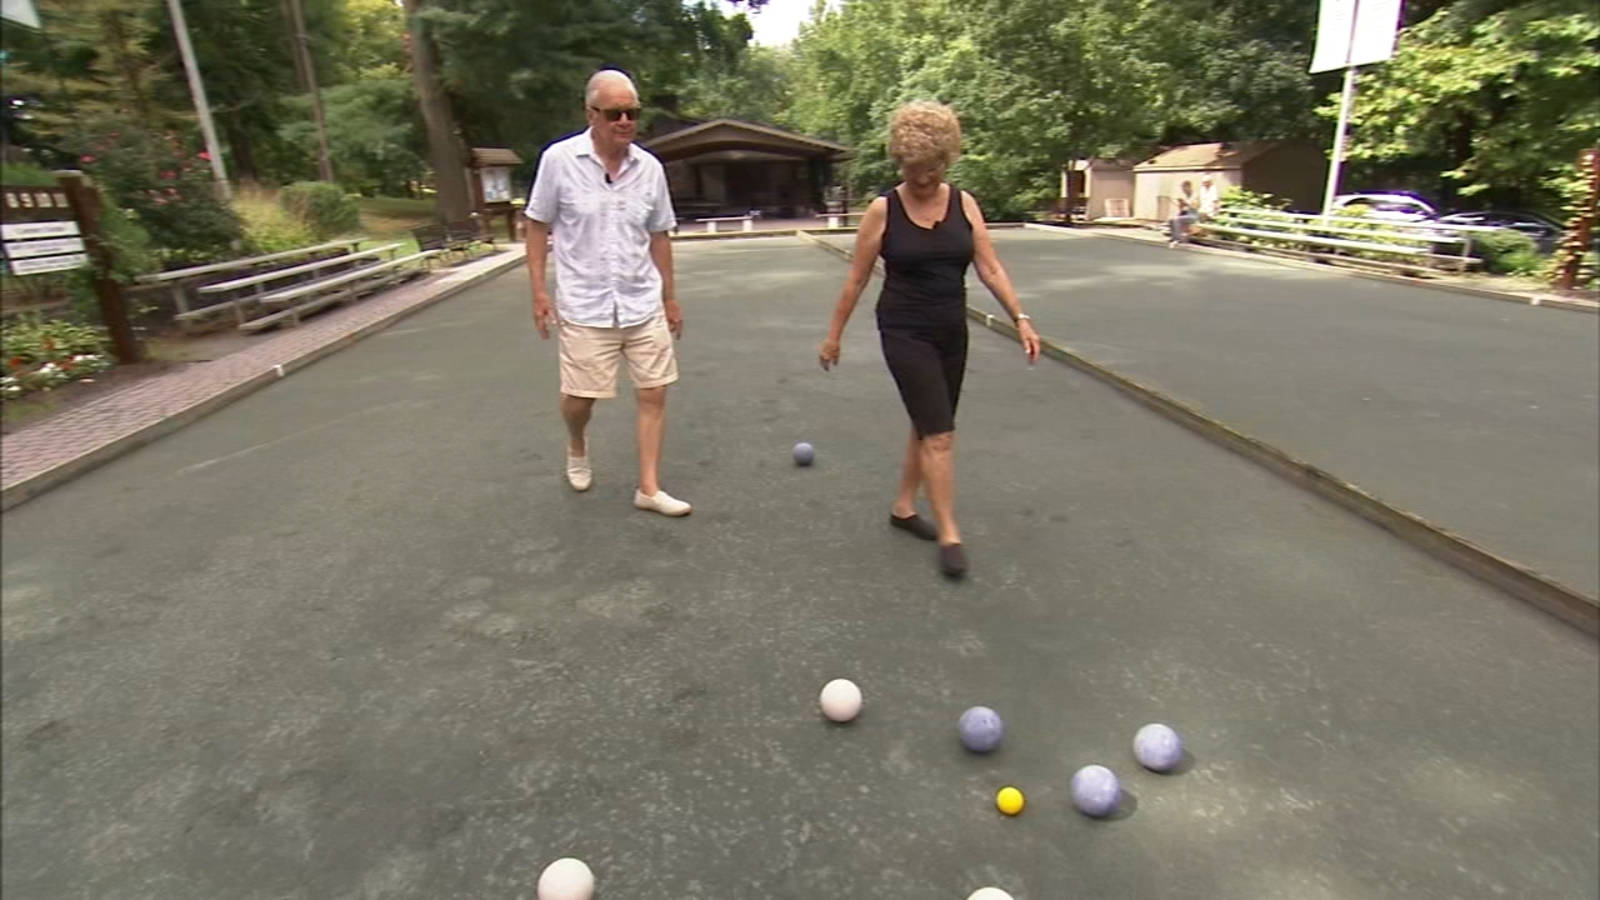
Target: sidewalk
{"x": 49, "y": 452}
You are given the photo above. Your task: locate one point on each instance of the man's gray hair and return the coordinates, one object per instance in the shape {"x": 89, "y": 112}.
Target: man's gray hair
{"x": 604, "y": 76}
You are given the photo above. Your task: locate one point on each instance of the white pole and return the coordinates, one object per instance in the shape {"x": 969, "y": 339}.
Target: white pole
{"x": 197, "y": 90}
{"x": 1338, "y": 140}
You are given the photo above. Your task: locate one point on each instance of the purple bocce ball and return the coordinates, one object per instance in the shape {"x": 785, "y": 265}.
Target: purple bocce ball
{"x": 981, "y": 729}
{"x": 1095, "y": 791}
{"x": 804, "y": 453}
{"x": 1157, "y": 747}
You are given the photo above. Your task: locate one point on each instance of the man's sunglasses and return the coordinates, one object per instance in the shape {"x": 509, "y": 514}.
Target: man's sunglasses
{"x": 612, "y": 115}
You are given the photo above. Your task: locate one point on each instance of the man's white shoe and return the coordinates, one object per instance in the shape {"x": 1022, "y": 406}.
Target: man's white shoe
{"x": 579, "y": 475}
{"x": 661, "y": 502}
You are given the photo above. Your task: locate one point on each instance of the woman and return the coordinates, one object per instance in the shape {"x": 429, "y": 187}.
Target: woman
{"x": 928, "y": 232}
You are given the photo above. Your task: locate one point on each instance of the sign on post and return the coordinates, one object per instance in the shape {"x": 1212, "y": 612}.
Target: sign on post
{"x": 40, "y": 231}
{"x": 1354, "y": 33}
{"x": 57, "y": 229}
{"x": 1350, "y": 33}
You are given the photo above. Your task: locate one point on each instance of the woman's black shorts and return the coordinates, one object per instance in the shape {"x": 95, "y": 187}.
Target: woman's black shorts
{"x": 928, "y": 364}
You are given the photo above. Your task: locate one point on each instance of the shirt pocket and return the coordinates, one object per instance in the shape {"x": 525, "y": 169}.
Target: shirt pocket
{"x": 635, "y": 211}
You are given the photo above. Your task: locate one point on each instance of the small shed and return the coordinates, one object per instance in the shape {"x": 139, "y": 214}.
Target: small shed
{"x": 1102, "y": 187}
{"x": 1291, "y": 170}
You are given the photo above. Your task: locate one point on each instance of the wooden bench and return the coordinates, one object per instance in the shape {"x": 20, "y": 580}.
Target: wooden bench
{"x": 238, "y": 305}
{"x": 459, "y": 237}
{"x": 304, "y": 299}
{"x": 842, "y": 219}
{"x": 181, "y": 281}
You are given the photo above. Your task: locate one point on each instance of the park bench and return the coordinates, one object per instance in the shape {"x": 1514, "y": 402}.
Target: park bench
{"x": 458, "y": 237}
{"x": 844, "y": 219}
{"x": 303, "y": 299}
{"x": 1413, "y": 247}
{"x": 711, "y": 222}
{"x": 184, "y": 282}
{"x": 251, "y": 288}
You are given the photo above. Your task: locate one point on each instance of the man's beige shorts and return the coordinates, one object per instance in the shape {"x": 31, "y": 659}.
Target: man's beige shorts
{"x": 589, "y": 357}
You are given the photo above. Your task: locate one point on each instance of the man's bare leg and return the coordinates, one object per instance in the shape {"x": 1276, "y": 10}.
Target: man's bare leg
{"x": 652, "y": 430}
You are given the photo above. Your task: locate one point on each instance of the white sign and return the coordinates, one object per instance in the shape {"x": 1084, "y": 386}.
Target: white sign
{"x": 48, "y": 264}
{"x": 20, "y": 11}
{"x": 1354, "y": 33}
{"x": 496, "y": 184}
{"x": 21, "y": 231}
{"x": 29, "y": 249}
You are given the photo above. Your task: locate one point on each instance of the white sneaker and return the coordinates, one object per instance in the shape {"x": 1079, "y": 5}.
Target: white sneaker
{"x": 579, "y": 475}
{"x": 661, "y": 502}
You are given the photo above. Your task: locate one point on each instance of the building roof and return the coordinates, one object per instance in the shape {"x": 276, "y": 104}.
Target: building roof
{"x": 1221, "y": 155}
{"x": 726, "y": 134}
{"x": 495, "y": 156}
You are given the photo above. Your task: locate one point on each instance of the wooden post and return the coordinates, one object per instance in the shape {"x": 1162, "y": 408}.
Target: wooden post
{"x": 1577, "y": 242}
{"x": 85, "y": 202}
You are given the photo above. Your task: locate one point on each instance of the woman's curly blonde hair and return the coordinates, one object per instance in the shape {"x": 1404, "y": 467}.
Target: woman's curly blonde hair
{"x": 924, "y": 133}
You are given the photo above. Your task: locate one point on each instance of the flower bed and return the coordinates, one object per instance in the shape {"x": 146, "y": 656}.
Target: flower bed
{"x": 41, "y": 354}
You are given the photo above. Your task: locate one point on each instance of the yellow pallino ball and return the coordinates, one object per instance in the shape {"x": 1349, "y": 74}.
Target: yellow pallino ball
{"x": 1009, "y": 801}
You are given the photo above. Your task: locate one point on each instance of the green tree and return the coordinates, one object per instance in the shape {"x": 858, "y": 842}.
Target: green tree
{"x": 1496, "y": 97}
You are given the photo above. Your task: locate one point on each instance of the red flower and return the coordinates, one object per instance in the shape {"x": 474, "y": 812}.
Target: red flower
{"x": 169, "y": 175}
{"x": 16, "y": 362}
{"x": 204, "y": 155}
{"x": 86, "y": 159}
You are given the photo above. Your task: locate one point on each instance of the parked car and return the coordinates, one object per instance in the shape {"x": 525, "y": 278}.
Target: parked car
{"x": 1546, "y": 233}
{"x": 1398, "y": 207}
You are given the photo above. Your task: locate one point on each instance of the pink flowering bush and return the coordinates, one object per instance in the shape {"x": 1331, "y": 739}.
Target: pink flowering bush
{"x": 165, "y": 185}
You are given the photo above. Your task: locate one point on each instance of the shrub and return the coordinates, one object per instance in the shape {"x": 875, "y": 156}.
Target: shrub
{"x": 1505, "y": 251}
{"x": 1239, "y": 198}
{"x": 268, "y": 227}
{"x": 164, "y": 185}
{"x": 324, "y": 208}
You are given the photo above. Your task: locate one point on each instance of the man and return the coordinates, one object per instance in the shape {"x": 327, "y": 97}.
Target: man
{"x": 1178, "y": 225}
{"x": 1210, "y": 199}
{"x": 606, "y": 202}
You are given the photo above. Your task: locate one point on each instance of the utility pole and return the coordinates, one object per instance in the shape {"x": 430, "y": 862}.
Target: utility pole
{"x": 197, "y": 90}
{"x": 308, "y": 72}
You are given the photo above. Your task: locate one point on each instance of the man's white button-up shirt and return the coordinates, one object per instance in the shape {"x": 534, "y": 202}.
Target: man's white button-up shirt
{"x": 604, "y": 275}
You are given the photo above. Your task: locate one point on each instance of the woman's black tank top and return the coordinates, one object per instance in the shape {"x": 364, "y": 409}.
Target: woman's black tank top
{"x": 925, "y": 268}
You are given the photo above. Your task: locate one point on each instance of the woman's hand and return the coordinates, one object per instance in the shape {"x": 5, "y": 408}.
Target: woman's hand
{"x": 828, "y": 354}
{"x": 1030, "y": 340}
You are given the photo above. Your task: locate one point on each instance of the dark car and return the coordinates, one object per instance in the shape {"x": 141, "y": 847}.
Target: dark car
{"x": 1545, "y": 232}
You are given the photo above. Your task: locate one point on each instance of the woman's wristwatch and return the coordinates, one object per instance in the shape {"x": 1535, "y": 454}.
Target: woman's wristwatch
{"x": 1021, "y": 316}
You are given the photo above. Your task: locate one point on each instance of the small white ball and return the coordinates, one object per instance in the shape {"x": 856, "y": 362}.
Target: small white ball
{"x": 566, "y": 879}
{"x": 841, "y": 700}
{"x": 989, "y": 893}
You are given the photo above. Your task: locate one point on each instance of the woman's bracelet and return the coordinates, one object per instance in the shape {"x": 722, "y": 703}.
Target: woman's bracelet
{"x": 1020, "y": 316}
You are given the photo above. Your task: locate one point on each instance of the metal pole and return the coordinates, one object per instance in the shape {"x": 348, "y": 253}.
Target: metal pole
{"x": 1337, "y": 161}
{"x": 197, "y": 90}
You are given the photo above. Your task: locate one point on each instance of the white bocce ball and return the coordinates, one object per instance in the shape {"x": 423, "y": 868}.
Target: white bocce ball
{"x": 989, "y": 893}
{"x": 566, "y": 879}
{"x": 841, "y": 700}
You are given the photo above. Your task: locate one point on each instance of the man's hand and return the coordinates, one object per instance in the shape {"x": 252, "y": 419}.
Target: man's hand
{"x": 544, "y": 314}
{"x": 674, "y": 317}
